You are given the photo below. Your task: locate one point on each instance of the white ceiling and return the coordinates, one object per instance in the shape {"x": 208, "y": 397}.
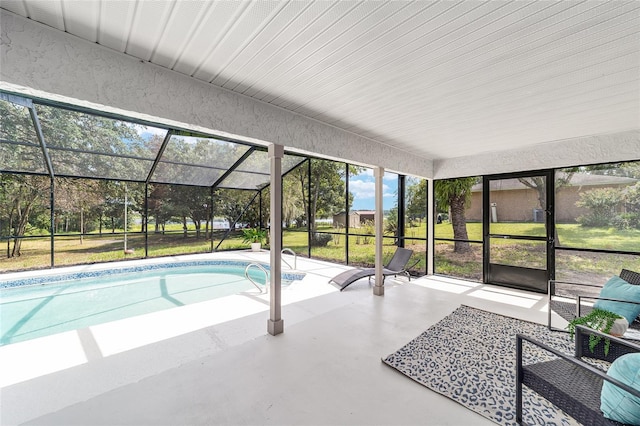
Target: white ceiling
{"x": 436, "y": 79}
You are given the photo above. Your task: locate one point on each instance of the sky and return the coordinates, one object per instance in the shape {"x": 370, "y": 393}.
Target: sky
{"x": 363, "y": 186}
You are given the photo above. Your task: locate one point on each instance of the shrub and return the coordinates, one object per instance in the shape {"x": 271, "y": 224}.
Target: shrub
{"x": 368, "y": 227}
{"x": 336, "y": 239}
{"x": 320, "y": 240}
{"x": 391, "y": 223}
{"x": 627, "y": 221}
{"x": 601, "y": 203}
{"x": 631, "y": 198}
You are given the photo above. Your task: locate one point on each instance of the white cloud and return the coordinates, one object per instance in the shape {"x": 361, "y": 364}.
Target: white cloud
{"x": 363, "y": 189}
{"x": 390, "y": 177}
{"x": 367, "y": 175}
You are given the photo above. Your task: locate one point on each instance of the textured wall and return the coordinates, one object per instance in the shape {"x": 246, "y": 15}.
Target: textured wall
{"x": 39, "y": 61}
{"x": 573, "y": 152}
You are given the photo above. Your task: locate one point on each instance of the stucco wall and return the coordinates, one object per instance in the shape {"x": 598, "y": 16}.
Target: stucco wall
{"x": 623, "y": 146}
{"x": 511, "y": 206}
{"x": 518, "y": 205}
{"x": 39, "y": 61}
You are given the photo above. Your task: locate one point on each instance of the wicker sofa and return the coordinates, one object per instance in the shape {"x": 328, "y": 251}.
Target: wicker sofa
{"x": 569, "y": 382}
{"x": 570, "y": 309}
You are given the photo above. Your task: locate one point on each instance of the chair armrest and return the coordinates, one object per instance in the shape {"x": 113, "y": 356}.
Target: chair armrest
{"x": 553, "y": 285}
{"x": 583, "y": 332}
{"x": 387, "y": 271}
{"x": 552, "y": 290}
{"x": 575, "y": 283}
{"x": 412, "y": 265}
{"x": 571, "y": 359}
{"x": 401, "y": 271}
{"x": 580, "y": 297}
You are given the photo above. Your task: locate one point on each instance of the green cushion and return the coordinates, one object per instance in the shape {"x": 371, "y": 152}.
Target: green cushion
{"x": 617, "y": 404}
{"x": 619, "y": 289}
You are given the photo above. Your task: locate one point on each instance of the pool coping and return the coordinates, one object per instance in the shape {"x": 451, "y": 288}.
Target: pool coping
{"x": 52, "y": 278}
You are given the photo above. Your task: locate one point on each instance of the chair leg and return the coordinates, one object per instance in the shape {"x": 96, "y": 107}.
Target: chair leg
{"x": 519, "y": 380}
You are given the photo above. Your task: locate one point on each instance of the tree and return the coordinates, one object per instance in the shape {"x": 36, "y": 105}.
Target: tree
{"x": 538, "y": 183}
{"x": 327, "y": 188}
{"x": 231, "y": 203}
{"x": 159, "y": 205}
{"x": 95, "y": 134}
{"x": 416, "y": 199}
{"x": 192, "y": 202}
{"x": 25, "y": 195}
{"x": 113, "y": 207}
{"x": 77, "y": 196}
{"x": 293, "y": 203}
{"x": 454, "y": 195}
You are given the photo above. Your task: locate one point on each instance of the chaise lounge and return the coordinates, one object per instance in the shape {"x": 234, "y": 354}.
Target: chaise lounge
{"x": 396, "y": 266}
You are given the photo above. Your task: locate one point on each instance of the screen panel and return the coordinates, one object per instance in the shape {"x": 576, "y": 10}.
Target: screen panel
{"x": 186, "y": 174}
{"x": 87, "y": 145}
{"x": 21, "y": 158}
{"x": 598, "y": 207}
{"x": 16, "y": 124}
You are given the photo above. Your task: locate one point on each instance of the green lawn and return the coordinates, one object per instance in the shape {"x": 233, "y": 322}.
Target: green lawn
{"x": 569, "y": 235}
{"x": 106, "y": 247}
{"x": 570, "y": 265}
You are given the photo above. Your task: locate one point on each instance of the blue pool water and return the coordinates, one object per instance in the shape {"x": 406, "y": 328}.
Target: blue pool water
{"x": 47, "y": 305}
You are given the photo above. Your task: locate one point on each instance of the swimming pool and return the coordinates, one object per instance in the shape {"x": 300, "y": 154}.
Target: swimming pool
{"x": 41, "y": 306}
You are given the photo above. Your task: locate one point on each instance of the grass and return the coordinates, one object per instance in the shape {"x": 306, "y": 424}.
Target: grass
{"x": 69, "y": 250}
{"x": 109, "y": 247}
{"x": 570, "y": 266}
{"x": 95, "y": 248}
{"x": 468, "y": 265}
{"x": 569, "y": 235}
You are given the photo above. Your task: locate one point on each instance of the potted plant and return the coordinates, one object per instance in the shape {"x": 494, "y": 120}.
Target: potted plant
{"x": 601, "y": 320}
{"x": 255, "y": 236}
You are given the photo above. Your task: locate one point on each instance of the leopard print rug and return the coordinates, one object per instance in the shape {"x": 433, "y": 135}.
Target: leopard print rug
{"x": 469, "y": 357}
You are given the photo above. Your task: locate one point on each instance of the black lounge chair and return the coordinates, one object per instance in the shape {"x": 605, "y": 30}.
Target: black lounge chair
{"x": 396, "y": 266}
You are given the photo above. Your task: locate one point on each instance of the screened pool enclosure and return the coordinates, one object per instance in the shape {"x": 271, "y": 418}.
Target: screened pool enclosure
{"x": 80, "y": 186}
{"x": 84, "y": 186}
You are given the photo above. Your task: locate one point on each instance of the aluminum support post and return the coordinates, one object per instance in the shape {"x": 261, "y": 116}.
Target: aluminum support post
{"x": 378, "y": 289}
{"x": 275, "y": 324}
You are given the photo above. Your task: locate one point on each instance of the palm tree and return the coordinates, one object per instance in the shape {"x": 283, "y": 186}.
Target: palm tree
{"x": 454, "y": 195}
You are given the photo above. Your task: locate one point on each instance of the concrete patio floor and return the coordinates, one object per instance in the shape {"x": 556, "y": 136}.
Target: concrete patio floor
{"x": 221, "y": 367}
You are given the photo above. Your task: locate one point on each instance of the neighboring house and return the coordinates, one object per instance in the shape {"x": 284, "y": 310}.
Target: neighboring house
{"x": 514, "y": 202}
{"x": 357, "y": 218}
